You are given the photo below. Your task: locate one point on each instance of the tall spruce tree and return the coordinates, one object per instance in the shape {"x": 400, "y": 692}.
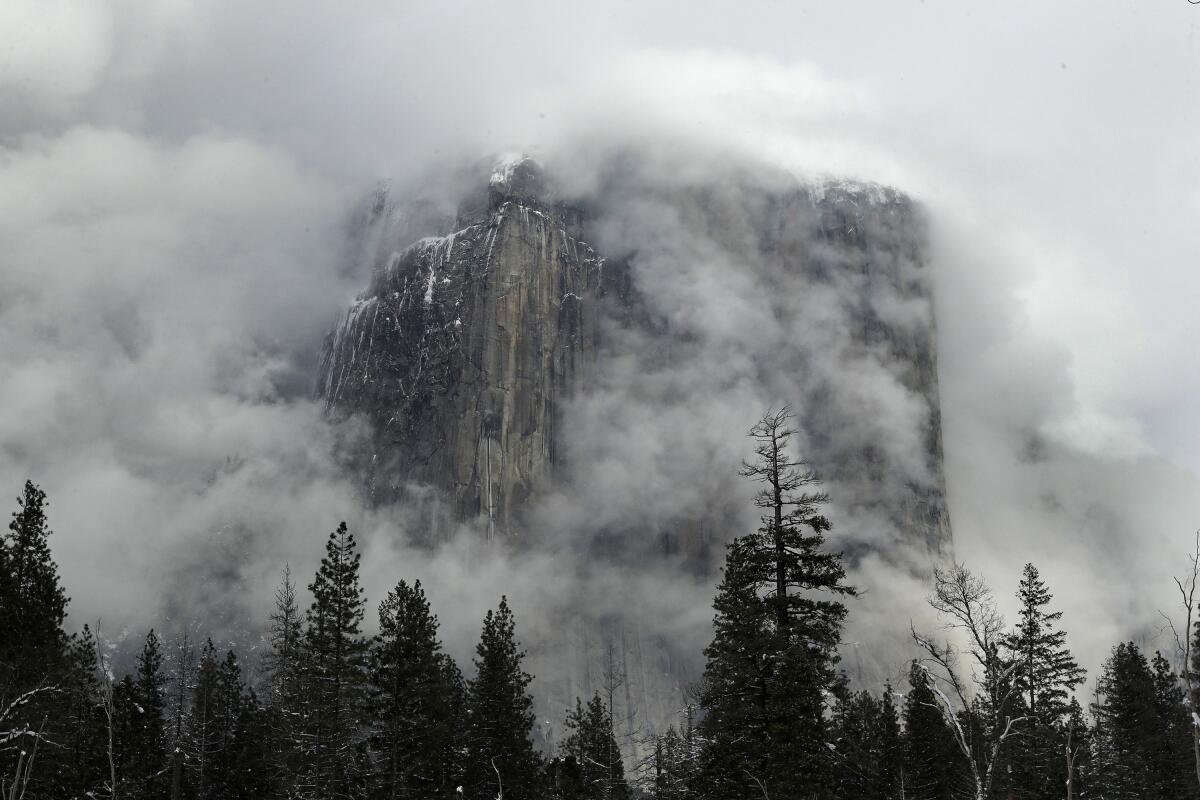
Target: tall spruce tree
{"x": 84, "y": 760}
{"x": 283, "y": 677}
{"x": 179, "y": 721}
{"x": 773, "y": 658}
{"x": 33, "y": 604}
{"x": 205, "y": 734}
{"x": 1142, "y": 744}
{"x": 411, "y": 702}
{"x": 933, "y": 766}
{"x": 500, "y": 754}
{"x": 34, "y": 662}
{"x": 1173, "y": 757}
{"x": 591, "y": 745}
{"x": 670, "y": 770}
{"x": 735, "y": 692}
{"x": 335, "y": 675}
{"x": 867, "y": 754}
{"x": 1076, "y": 758}
{"x": 1048, "y": 672}
{"x": 144, "y": 763}
{"x": 1047, "y": 675}
{"x": 857, "y": 735}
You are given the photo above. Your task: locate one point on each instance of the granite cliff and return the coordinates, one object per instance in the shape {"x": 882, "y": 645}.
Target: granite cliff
{"x": 471, "y": 340}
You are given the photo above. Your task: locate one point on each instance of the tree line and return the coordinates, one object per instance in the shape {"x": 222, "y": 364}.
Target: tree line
{"x": 332, "y": 714}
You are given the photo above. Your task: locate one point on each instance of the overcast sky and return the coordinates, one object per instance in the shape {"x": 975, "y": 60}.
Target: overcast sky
{"x": 174, "y": 178}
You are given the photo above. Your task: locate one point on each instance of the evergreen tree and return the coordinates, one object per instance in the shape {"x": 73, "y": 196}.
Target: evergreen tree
{"x": 672, "y": 764}
{"x": 1048, "y": 672}
{"x": 891, "y": 768}
{"x": 773, "y": 658}
{"x": 455, "y": 752}
{"x": 33, "y": 604}
{"x": 84, "y": 758}
{"x": 857, "y": 734}
{"x": 205, "y": 736}
{"x": 253, "y": 775}
{"x": 179, "y": 724}
{"x": 34, "y": 662}
{"x": 334, "y": 675}
{"x": 412, "y": 719}
{"x": 564, "y": 779}
{"x": 500, "y": 754}
{"x": 283, "y": 673}
{"x": 866, "y": 736}
{"x": 593, "y": 748}
{"x": 1046, "y": 677}
{"x": 1076, "y": 761}
{"x": 228, "y": 744}
{"x": 1172, "y": 758}
{"x": 144, "y": 764}
{"x": 1142, "y": 742}
{"x": 736, "y": 686}
{"x": 932, "y": 764}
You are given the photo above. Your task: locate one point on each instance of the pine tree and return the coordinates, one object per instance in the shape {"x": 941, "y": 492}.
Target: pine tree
{"x": 34, "y": 659}
{"x": 32, "y": 642}
{"x": 500, "y": 754}
{"x": 1076, "y": 758}
{"x": 670, "y": 766}
{"x": 283, "y": 674}
{"x": 592, "y": 746}
{"x": 412, "y": 719}
{"x": 736, "y": 686}
{"x": 773, "y": 658}
{"x": 253, "y": 775}
{"x": 334, "y": 675}
{"x": 1046, "y": 677}
{"x": 179, "y": 723}
{"x": 144, "y": 763}
{"x": 455, "y": 749}
{"x": 668, "y": 771}
{"x": 857, "y": 735}
{"x": 1048, "y": 673}
{"x": 228, "y": 714}
{"x": 1171, "y": 760}
{"x": 1142, "y": 742}
{"x": 83, "y": 738}
{"x": 204, "y": 736}
{"x": 866, "y": 736}
{"x": 891, "y": 767}
{"x": 933, "y": 768}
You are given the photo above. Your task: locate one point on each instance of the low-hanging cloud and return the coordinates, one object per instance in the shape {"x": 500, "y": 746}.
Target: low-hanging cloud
{"x": 177, "y": 192}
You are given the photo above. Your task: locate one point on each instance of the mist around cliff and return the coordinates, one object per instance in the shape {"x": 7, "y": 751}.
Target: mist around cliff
{"x": 178, "y": 190}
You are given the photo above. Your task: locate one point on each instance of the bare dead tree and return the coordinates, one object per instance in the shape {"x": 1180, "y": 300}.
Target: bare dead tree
{"x": 183, "y": 672}
{"x": 107, "y": 704}
{"x": 1072, "y": 753}
{"x": 761, "y": 786}
{"x": 499, "y": 780}
{"x": 15, "y": 790}
{"x": 615, "y": 678}
{"x": 13, "y": 733}
{"x": 1184, "y": 643}
{"x": 966, "y": 603}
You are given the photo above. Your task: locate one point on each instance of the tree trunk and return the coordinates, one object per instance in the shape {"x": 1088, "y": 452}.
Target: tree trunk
{"x": 780, "y": 577}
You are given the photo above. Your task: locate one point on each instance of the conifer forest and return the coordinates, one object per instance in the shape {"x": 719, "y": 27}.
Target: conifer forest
{"x": 990, "y": 708}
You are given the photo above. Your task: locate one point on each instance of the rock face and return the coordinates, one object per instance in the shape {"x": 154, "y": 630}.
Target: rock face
{"x": 465, "y": 344}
